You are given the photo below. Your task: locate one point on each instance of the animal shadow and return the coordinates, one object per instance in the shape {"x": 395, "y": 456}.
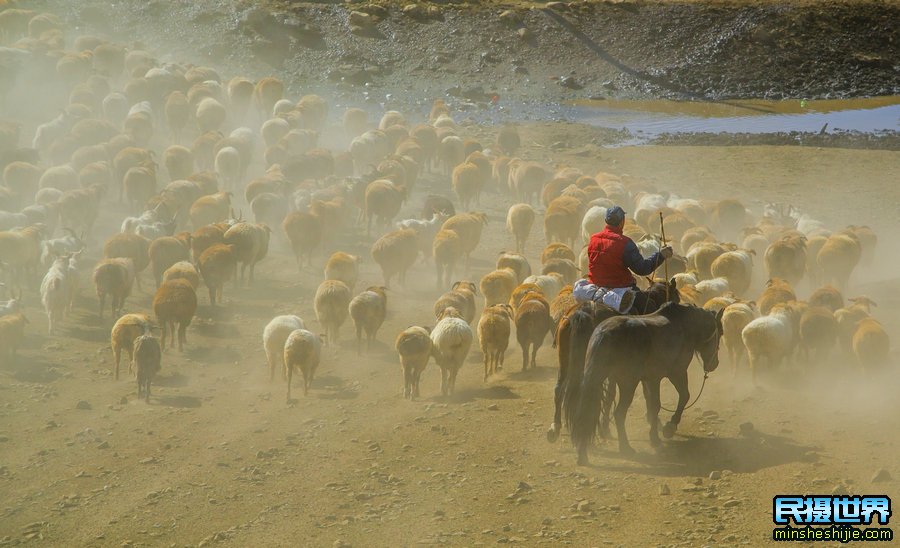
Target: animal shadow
{"x": 178, "y": 401}
{"x": 489, "y": 392}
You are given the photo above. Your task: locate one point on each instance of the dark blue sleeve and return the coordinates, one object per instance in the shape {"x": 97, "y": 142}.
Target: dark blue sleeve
{"x": 638, "y": 264}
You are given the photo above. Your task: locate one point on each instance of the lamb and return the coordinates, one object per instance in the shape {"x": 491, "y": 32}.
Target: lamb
{"x": 383, "y": 202}
{"x": 786, "y": 259}
{"x": 332, "y": 303}
{"x": 303, "y": 351}
{"x": 701, "y": 257}
{"x": 838, "y": 257}
{"x": 217, "y": 265}
{"x": 493, "y": 334}
{"x": 710, "y": 289}
{"x": 395, "y": 253}
{"x": 515, "y": 262}
{"x": 468, "y": 227}
{"x": 519, "y": 220}
{"x": 415, "y": 347}
{"x": 848, "y": 317}
{"x": 451, "y": 153}
{"x": 207, "y": 210}
{"x": 129, "y": 246}
{"x": 183, "y": 270}
{"x": 562, "y": 220}
{"x": 461, "y": 297}
{"x": 771, "y": 338}
{"x": 165, "y": 252}
{"x": 776, "y": 291}
{"x": 12, "y": 331}
{"x": 451, "y": 339}
{"x": 426, "y": 230}
{"x": 526, "y": 179}
{"x": 564, "y": 267}
{"x": 114, "y": 277}
{"x": 368, "y": 310}
{"x": 447, "y": 249}
{"x": 210, "y": 115}
{"x": 251, "y": 245}
{"x": 550, "y": 284}
{"x": 304, "y": 231}
{"x": 871, "y": 344}
{"x": 146, "y": 357}
{"x": 56, "y": 291}
{"x": 275, "y": 336}
{"x": 126, "y": 329}
{"x": 60, "y": 246}
{"x": 532, "y": 325}
{"x": 343, "y": 267}
{"x": 735, "y": 318}
{"x": 497, "y": 286}
{"x": 179, "y": 162}
{"x": 827, "y": 296}
{"x": 175, "y": 302}
{"x": 594, "y": 221}
{"x": 818, "y": 332}
{"x": 205, "y": 237}
{"x": 228, "y": 167}
{"x": 557, "y": 251}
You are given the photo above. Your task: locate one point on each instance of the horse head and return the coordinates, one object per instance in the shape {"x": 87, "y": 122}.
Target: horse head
{"x": 709, "y": 333}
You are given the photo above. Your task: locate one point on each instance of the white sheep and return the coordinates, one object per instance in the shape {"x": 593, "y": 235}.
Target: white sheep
{"x": 275, "y": 335}
{"x": 551, "y": 284}
{"x": 770, "y": 338}
{"x": 594, "y": 221}
{"x": 228, "y": 167}
{"x": 55, "y": 291}
{"x": 302, "y": 350}
{"x": 451, "y": 339}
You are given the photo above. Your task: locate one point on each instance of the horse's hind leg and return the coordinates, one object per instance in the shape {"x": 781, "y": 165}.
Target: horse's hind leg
{"x": 626, "y": 395}
{"x": 680, "y": 382}
{"x": 651, "y": 396}
{"x": 609, "y": 400}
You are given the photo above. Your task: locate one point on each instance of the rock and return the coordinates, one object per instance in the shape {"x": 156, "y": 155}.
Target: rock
{"x": 570, "y": 83}
{"x": 584, "y": 506}
{"x": 558, "y": 6}
{"x": 360, "y": 19}
{"x": 511, "y": 18}
{"x": 416, "y": 11}
{"x": 341, "y": 544}
{"x": 664, "y": 489}
{"x": 124, "y": 400}
{"x": 881, "y": 476}
{"x": 525, "y": 33}
{"x": 82, "y": 404}
{"x": 731, "y": 503}
{"x": 523, "y": 486}
{"x": 715, "y": 474}
{"x": 746, "y": 429}
{"x": 103, "y": 445}
{"x": 493, "y": 407}
{"x": 810, "y": 456}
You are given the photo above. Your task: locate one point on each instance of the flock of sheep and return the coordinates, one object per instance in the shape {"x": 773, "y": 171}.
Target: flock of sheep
{"x": 125, "y": 111}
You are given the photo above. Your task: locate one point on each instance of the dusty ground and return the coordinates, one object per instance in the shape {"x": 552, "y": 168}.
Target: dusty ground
{"x": 217, "y": 457}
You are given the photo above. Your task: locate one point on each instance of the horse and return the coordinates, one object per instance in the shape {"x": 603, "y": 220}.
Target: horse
{"x": 565, "y": 336}
{"x": 624, "y": 351}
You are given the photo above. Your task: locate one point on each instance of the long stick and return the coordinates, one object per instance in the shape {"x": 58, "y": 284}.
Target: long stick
{"x": 662, "y": 229}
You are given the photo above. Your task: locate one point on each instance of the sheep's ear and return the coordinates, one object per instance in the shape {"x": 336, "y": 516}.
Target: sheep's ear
{"x": 455, "y": 285}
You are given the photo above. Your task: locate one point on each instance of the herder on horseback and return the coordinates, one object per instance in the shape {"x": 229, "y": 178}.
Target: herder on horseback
{"x": 612, "y": 258}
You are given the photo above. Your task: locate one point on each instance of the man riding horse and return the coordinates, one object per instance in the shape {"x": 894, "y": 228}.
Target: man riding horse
{"x": 612, "y": 259}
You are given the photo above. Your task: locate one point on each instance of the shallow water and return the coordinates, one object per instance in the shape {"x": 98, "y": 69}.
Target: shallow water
{"x": 648, "y": 119}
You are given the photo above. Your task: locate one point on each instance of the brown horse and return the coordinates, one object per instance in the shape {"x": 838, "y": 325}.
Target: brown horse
{"x": 624, "y": 351}
{"x": 569, "y": 337}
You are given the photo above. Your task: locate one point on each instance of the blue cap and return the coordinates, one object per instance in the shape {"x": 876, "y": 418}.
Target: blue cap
{"x": 615, "y": 216}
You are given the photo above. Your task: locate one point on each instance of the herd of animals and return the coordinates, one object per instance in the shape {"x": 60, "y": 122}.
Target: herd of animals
{"x": 175, "y": 148}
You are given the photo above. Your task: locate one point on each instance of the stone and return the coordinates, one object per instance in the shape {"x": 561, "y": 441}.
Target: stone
{"x": 881, "y": 476}
{"x": 731, "y": 503}
{"x": 511, "y": 18}
{"x": 746, "y": 429}
{"x": 715, "y": 474}
{"x": 493, "y": 407}
{"x": 82, "y": 404}
{"x": 360, "y": 19}
{"x": 664, "y": 489}
{"x": 525, "y": 34}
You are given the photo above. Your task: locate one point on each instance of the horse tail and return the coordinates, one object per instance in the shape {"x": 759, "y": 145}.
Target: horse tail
{"x": 581, "y": 327}
{"x": 596, "y": 392}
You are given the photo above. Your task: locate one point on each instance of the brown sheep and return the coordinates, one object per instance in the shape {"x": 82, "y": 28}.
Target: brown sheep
{"x": 383, "y": 202}
{"x": 217, "y": 265}
{"x": 786, "y": 259}
{"x": 210, "y": 209}
{"x": 515, "y": 262}
{"x": 395, "y": 253}
{"x": 818, "y": 332}
{"x": 146, "y": 356}
{"x": 736, "y": 267}
{"x": 368, "y": 310}
{"x": 813, "y": 245}
{"x": 827, "y": 296}
{"x": 526, "y": 179}
{"x": 12, "y": 331}
{"x": 532, "y": 325}
{"x": 508, "y": 139}
{"x": 175, "y": 302}
{"x": 114, "y": 277}
{"x": 868, "y": 240}
{"x": 497, "y": 286}
{"x": 776, "y": 291}
{"x": 447, "y": 248}
{"x": 139, "y": 184}
{"x": 735, "y": 318}
{"x": 303, "y": 351}
{"x": 838, "y": 257}
{"x": 332, "y": 303}
{"x": 564, "y": 267}
{"x": 493, "y": 334}
{"x": 461, "y": 297}
{"x": 468, "y": 226}
{"x": 557, "y": 251}
{"x": 562, "y": 222}
{"x": 467, "y": 184}
{"x": 519, "y": 220}
{"x": 127, "y": 328}
{"x": 205, "y": 237}
{"x": 701, "y": 257}
{"x": 521, "y": 291}
{"x": 344, "y": 267}
{"x": 130, "y": 246}
{"x": 178, "y": 112}
{"x": 871, "y": 344}
{"x": 304, "y": 231}
{"x": 179, "y": 162}
{"x": 251, "y": 245}
{"x": 183, "y": 270}
{"x": 164, "y": 252}
{"x": 414, "y": 346}
{"x": 848, "y": 317}
{"x": 728, "y": 218}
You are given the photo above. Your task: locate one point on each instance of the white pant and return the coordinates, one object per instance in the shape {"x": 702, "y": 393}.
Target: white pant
{"x": 584, "y": 291}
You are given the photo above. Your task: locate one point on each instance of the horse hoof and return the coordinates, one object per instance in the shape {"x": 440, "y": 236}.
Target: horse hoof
{"x": 655, "y": 443}
{"x": 669, "y": 430}
{"x": 552, "y": 433}
{"x": 583, "y": 460}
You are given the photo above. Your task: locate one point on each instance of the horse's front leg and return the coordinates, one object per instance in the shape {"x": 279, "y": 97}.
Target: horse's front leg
{"x": 626, "y": 395}
{"x": 651, "y": 397}
{"x": 558, "y": 391}
{"x": 680, "y": 381}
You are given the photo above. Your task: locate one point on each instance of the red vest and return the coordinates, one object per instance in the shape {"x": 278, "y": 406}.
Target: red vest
{"x": 605, "y": 256}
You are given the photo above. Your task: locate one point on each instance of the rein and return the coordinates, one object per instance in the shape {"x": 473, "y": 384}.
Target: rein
{"x": 705, "y": 376}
